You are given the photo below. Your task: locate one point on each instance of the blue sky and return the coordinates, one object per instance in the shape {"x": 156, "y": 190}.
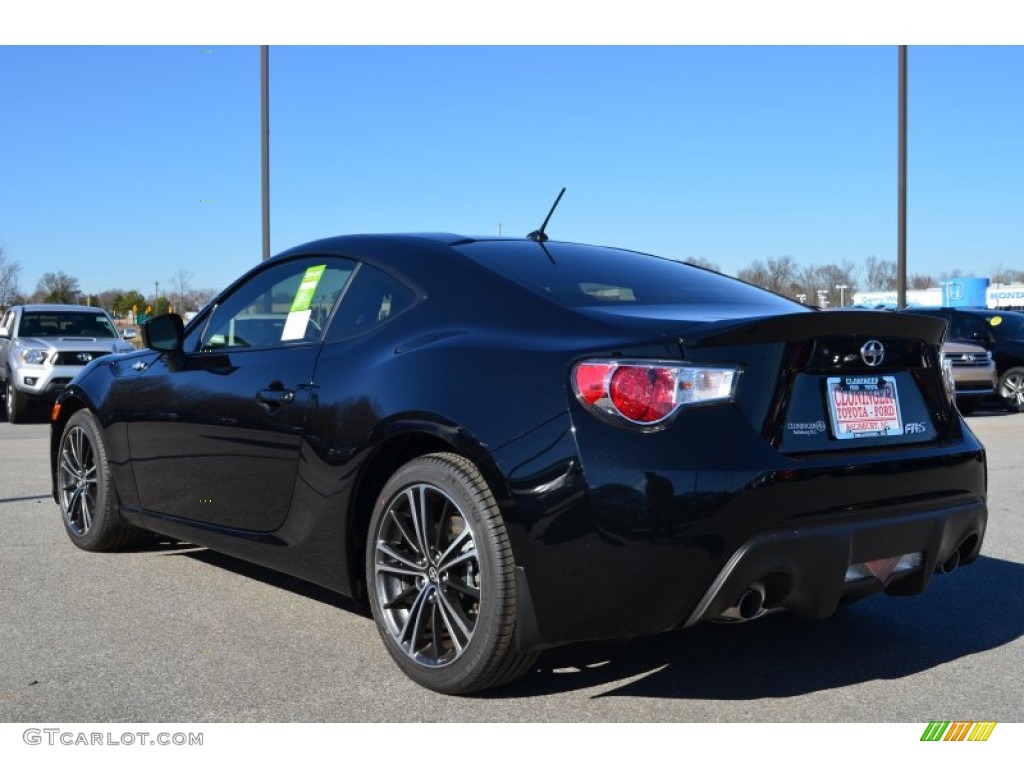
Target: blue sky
{"x": 122, "y": 165}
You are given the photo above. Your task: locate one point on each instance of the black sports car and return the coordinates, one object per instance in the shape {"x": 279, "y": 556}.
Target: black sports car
{"x": 504, "y": 445}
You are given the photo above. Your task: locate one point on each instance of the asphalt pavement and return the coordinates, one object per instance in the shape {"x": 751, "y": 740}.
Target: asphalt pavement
{"x": 172, "y": 633}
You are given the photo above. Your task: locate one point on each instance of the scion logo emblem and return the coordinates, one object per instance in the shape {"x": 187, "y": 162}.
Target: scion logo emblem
{"x": 872, "y": 353}
{"x": 84, "y": 357}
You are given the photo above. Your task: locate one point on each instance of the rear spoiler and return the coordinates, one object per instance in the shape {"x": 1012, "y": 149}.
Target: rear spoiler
{"x": 807, "y": 325}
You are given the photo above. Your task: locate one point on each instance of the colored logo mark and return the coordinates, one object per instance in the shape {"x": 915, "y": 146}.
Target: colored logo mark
{"x": 957, "y": 731}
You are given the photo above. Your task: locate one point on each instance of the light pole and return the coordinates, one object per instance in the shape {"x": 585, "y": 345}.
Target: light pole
{"x": 802, "y": 298}
{"x": 842, "y": 293}
{"x": 822, "y": 298}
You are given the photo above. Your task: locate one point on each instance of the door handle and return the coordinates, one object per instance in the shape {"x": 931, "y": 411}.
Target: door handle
{"x": 271, "y": 399}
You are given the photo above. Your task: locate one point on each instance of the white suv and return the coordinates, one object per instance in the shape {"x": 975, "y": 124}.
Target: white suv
{"x": 43, "y": 346}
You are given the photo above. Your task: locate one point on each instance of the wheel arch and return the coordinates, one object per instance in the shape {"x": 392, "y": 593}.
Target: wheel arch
{"x": 402, "y": 444}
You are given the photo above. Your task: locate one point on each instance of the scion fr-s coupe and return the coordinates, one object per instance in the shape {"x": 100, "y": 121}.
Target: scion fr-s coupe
{"x": 504, "y": 445}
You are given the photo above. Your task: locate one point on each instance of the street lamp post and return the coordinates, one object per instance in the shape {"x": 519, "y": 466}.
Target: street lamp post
{"x": 842, "y": 293}
{"x": 802, "y": 298}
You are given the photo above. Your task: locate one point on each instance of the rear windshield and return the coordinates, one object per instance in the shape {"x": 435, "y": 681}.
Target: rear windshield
{"x": 79, "y": 324}
{"x": 591, "y": 276}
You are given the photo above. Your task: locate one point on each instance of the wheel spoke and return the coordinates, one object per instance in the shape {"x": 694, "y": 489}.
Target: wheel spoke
{"x": 464, "y": 557}
{"x": 386, "y": 549}
{"x": 453, "y": 548}
{"x": 450, "y": 613}
{"x": 66, "y": 464}
{"x": 398, "y": 570}
{"x": 402, "y": 597}
{"x": 420, "y": 521}
{"x": 409, "y": 537}
{"x": 461, "y": 586}
{"x": 413, "y": 628}
{"x": 86, "y": 511}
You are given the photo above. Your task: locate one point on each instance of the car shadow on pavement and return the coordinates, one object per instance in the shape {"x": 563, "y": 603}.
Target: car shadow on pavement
{"x": 277, "y": 579}
{"x": 780, "y": 655}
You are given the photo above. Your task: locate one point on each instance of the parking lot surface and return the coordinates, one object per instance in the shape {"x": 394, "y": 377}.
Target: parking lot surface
{"x": 173, "y": 633}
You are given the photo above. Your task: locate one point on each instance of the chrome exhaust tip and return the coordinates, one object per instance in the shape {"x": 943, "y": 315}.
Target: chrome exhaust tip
{"x": 750, "y": 605}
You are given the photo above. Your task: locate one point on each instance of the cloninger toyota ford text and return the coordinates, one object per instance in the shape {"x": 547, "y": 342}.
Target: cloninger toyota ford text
{"x": 504, "y": 445}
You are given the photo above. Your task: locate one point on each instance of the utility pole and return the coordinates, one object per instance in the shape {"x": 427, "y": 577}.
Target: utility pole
{"x": 265, "y": 143}
{"x": 901, "y": 247}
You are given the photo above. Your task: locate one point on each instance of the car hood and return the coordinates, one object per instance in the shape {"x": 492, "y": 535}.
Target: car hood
{"x": 76, "y": 344}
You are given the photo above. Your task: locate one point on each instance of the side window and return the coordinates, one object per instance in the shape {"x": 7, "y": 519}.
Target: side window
{"x": 373, "y": 298}
{"x": 286, "y": 304}
{"x": 968, "y": 327}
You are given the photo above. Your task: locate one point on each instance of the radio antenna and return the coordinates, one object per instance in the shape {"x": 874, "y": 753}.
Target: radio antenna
{"x": 538, "y": 235}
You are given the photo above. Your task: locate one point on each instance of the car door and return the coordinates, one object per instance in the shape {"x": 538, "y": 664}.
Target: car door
{"x": 215, "y": 434}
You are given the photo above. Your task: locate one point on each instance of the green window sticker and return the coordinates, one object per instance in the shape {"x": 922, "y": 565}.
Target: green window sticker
{"x": 307, "y": 288}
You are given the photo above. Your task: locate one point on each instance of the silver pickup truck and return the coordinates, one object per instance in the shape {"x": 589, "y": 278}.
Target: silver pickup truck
{"x": 43, "y": 346}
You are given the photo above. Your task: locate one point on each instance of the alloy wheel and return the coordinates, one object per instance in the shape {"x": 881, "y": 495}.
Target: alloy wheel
{"x": 1013, "y": 388}
{"x": 427, "y": 574}
{"x": 78, "y": 481}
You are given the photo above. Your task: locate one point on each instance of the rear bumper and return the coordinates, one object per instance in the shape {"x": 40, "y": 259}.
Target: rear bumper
{"x": 807, "y": 568}
{"x": 658, "y": 531}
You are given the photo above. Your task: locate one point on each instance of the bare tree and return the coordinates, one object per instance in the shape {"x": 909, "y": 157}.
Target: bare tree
{"x": 880, "y": 274}
{"x": 824, "y": 280}
{"x": 698, "y": 261}
{"x": 921, "y": 282}
{"x": 57, "y": 287}
{"x": 775, "y": 274}
{"x": 9, "y": 271}
{"x": 1000, "y": 275}
{"x": 181, "y": 289}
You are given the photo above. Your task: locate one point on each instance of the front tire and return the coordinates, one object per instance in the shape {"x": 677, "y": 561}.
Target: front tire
{"x": 1011, "y": 389}
{"x": 17, "y": 405}
{"x": 441, "y": 577}
{"x": 88, "y": 501}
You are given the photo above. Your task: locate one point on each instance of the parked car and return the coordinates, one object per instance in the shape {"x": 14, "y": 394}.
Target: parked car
{"x": 42, "y": 346}
{"x": 1001, "y": 333}
{"x": 973, "y": 372}
{"x": 505, "y": 445}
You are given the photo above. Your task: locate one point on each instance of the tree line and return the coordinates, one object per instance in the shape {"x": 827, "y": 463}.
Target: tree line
{"x": 822, "y": 284}
{"x": 833, "y": 285}
{"x": 61, "y": 288}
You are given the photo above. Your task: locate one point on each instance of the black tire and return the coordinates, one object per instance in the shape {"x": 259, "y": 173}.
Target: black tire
{"x": 1011, "y": 389}
{"x": 447, "y": 617}
{"x": 17, "y": 405}
{"x": 88, "y": 501}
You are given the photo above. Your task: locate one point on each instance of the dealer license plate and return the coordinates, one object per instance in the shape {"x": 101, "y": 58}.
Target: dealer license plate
{"x": 864, "y": 406}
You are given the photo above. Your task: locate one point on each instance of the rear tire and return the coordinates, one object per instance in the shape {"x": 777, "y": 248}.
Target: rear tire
{"x": 441, "y": 577}
{"x": 88, "y": 501}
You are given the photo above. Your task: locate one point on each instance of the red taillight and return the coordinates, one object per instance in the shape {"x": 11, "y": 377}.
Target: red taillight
{"x": 646, "y": 393}
{"x": 590, "y": 381}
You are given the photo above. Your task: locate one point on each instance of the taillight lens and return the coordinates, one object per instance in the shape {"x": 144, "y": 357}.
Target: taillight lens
{"x": 647, "y": 393}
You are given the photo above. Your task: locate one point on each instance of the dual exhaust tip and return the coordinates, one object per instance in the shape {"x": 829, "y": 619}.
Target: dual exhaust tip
{"x": 750, "y": 604}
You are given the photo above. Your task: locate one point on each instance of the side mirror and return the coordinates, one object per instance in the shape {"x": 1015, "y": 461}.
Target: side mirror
{"x": 164, "y": 333}
{"x": 129, "y": 334}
